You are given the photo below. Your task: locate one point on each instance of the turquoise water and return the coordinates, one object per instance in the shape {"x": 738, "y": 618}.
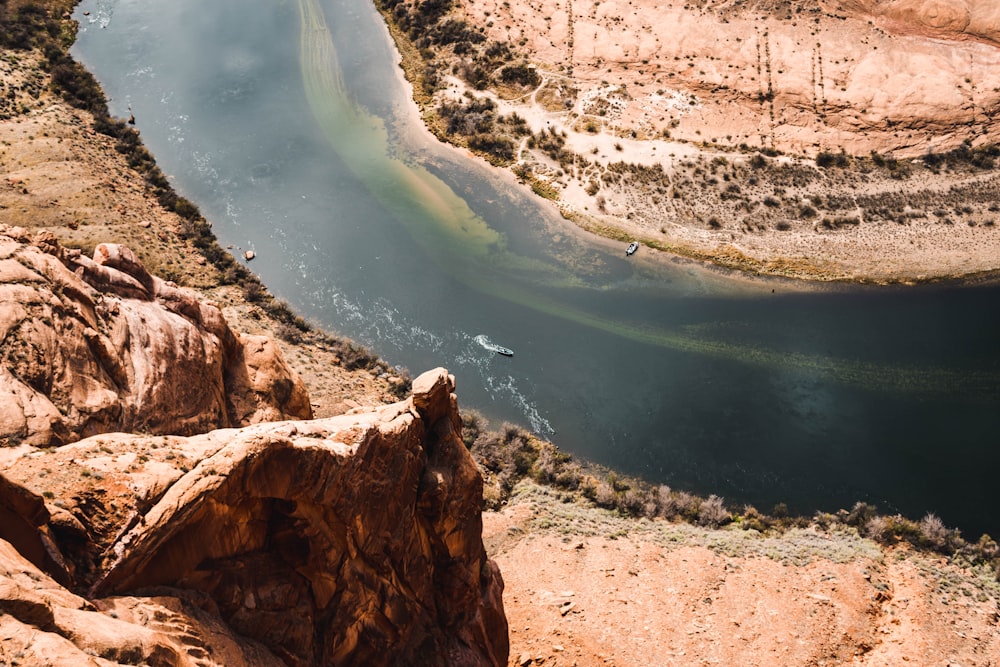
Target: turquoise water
{"x": 288, "y": 125}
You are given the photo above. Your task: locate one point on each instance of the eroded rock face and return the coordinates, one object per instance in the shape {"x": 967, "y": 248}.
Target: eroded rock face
{"x": 98, "y": 345}
{"x": 900, "y": 77}
{"x": 44, "y": 624}
{"x": 349, "y": 540}
{"x": 944, "y": 18}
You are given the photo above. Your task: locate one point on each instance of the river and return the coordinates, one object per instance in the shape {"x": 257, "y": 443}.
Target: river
{"x": 288, "y": 123}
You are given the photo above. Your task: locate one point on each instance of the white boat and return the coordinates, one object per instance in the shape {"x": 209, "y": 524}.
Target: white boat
{"x": 632, "y": 247}
{"x": 505, "y": 351}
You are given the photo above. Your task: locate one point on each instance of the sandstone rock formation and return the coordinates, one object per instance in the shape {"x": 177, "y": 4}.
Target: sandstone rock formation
{"x": 895, "y": 76}
{"x": 44, "y": 624}
{"x": 943, "y": 18}
{"x": 97, "y": 345}
{"x": 349, "y": 540}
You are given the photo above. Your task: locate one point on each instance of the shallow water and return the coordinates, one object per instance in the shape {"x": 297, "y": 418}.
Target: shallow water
{"x": 289, "y": 126}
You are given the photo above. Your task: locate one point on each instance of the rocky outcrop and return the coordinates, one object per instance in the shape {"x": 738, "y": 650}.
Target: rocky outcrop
{"x": 349, "y": 540}
{"x": 977, "y": 19}
{"x": 900, "y": 77}
{"x": 97, "y": 345}
{"x": 24, "y": 525}
{"x": 44, "y": 624}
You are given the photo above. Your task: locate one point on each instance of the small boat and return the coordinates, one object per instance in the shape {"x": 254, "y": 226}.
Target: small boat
{"x": 632, "y": 247}
{"x": 505, "y": 351}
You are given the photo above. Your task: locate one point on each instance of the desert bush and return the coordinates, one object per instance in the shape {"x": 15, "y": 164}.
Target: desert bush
{"x": 474, "y": 117}
{"x": 500, "y": 147}
{"x": 523, "y": 74}
{"x": 665, "y": 505}
{"x": 453, "y": 31}
{"x": 605, "y": 495}
{"x": 26, "y": 26}
{"x": 75, "y": 84}
{"x": 878, "y": 528}
{"x": 253, "y": 291}
{"x": 473, "y": 425}
{"x": 752, "y": 519}
{"x": 632, "y": 502}
{"x": 986, "y": 549}
{"x": 826, "y": 159}
{"x": 860, "y": 515}
{"x": 839, "y": 222}
{"x": 498, "y": 51}
{"x": 514, "y": 123}
{"x": 713, "y": 512}
{"x": 288, "y": 333}
{"x": 933, "y": 532}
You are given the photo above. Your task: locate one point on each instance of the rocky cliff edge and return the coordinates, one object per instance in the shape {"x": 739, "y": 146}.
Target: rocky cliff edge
{"x": 349, "y": 540}
{"x": 355, "y": 539}
{"x": 92, "y": 345}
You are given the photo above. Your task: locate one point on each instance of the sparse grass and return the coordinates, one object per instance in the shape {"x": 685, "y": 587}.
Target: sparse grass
{"x": 512, "y": 457}
{"x": 569, "y": 516}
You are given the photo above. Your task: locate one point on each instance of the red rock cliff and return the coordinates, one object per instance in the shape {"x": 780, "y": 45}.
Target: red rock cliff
{"x": 96, "y": 345}
{"x": 349, "y": 540}
{"x": 353, "y": 540}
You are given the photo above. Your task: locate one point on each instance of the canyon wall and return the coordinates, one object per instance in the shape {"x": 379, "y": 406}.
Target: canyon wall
{"x": 96, "y": 345}
{"x": 349, "y": 540}
{"x": 139, "y": 525}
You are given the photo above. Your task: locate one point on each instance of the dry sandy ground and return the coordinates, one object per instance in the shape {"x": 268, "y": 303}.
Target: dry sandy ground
{"x": 586, "y": 588}
{"x": 680, "y": 84}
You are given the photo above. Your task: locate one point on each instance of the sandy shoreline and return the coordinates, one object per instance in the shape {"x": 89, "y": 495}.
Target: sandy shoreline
{"x": 660, "y": 163}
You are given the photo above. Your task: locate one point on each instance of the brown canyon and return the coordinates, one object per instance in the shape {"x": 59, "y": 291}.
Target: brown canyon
{"x": 166, "y": 499}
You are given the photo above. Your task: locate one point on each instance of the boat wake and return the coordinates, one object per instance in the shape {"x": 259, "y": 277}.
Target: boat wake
{"x": 381, "y": 323}
{"x": 102, "y": 13}
{"x": 485, "y": 342}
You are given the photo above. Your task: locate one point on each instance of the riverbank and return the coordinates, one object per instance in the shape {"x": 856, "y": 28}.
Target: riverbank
{"x": 644, "y": 146}
{"x": 87, "y": 178}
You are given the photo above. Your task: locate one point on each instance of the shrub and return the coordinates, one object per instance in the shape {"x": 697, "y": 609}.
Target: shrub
{"x": 604, "y": 495}
{"x": 253, "y": 291}
{"x": 473, "y": 425}
{"x": 752, "y": 519}
{"x": 288, "y": 333}
{"x": 825, "y": 159}
{"x": 713, "y": 512}
{"x": 933, "y": 532}
{"x": 523, "y": 74}
{"x": 860, "y": 515}
{"x": 879, "y": 528}
{"x": 498, "y": 146}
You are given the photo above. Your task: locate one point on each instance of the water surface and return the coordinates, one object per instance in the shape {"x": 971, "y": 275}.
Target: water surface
{"x": 288, "y": 124}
